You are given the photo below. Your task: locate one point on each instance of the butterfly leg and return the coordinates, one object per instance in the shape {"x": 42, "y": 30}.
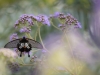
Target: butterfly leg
{"x": 20, "y": 54}
{"x": 28, "y": 54}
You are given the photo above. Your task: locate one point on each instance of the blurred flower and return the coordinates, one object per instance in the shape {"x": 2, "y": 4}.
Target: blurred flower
{"x": 59, "y": 15}
{"x": 70, "y": 20}
{"x": 56, "y": 14}
{"x": 44, "y": 51}
{"x": 8, "y": 52}
{"x": 25, "y": 29}
{"x": 30, "y": 21}
{"x": 24, "y": 19}
{"x": 16, "y": 24}
{"x": 13, "y": 36}
{"x": 43, "y": 19}
{"x": 4, "y": 70}
{"x": 17, "y": 51}
{"x": 78, "y": 25}
{"x": 32, "y": 58}
{"x": 14, "y": 67}
{"x": 62, "y": 16}
{"x": 62, "y": 26}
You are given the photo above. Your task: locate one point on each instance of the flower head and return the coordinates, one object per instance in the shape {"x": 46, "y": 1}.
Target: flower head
{"x": 62, "y": 26}
{"x": 30, "y": 22}
{"x": 78, "y": 25}
{"x": 25, "y": 29}
{"x": 56, "y": 14}
{"x": 24, "y": 19}
{"x": 43, "y": 19}
{"x": 8, "y": 52}
{"x": 59, "y": 15}
{"x": 70, "y": 20}
{"x": 13, "y": 36}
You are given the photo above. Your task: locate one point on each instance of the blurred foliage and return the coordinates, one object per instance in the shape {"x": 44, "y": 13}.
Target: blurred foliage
{"x": 5, "y": 3}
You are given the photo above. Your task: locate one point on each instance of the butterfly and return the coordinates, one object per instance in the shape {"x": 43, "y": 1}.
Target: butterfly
{"x": 24, "y": 45}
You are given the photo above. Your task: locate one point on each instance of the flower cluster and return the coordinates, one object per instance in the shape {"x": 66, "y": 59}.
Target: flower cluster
{"x": 13, "y": 36}
{"x": 24, "y": 19}
{"x": 68, "y": 20}
{"x": 43, "y": 19}
{"x": 25, "y": 29}
{"x": 59, "y": 15}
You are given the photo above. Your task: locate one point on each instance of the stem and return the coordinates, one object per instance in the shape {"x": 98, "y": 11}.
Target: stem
{"x": 28, "y": 35}
{"x": 73, "y": 59}
{"x": 36, "y": 34}
{"x": 55, "y": 26}
{"x": 41, "y": 39}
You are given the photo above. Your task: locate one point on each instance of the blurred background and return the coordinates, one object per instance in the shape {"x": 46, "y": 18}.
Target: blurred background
{"x": 85, "y": 11}
{"x": 11, "y": 10}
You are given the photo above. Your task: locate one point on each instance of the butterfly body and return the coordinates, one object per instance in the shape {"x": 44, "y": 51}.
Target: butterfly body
{"x": 24, "y": 45}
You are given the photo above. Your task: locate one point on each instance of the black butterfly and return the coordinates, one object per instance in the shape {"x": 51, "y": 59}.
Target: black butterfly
{"x": 24, "y": 45}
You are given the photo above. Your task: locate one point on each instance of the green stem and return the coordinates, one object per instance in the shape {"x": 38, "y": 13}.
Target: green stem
{"x": 28, "y": 35}
{"x": 41, "y": 39}
{"x": 36, "y": 34}
{"x": 55, "y": 26}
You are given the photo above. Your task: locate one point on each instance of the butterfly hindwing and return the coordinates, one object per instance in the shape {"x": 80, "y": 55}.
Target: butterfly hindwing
{"x": 35, "y": 44}
{"x": 12, "y": 44}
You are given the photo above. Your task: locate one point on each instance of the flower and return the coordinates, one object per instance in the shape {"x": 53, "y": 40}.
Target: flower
{"x": 70, "y": 20}
{"x": 44, "y": 51}
{"x": 24, "y": 19}
{"x": 30, "y": 22}
{"x": 25, "y": 29}
{"x": 13, "y": 36}
{"x": 43, "y": 19}
{"x": 62, "y": 26}
{"x": 56, "y": 14}
{"x": 16, "y": 24}
{"x": 59, "y": 15}
{"x": 8, "y": 52}
{"x": 78, "y": 25}
{"x": 14, "y": 67}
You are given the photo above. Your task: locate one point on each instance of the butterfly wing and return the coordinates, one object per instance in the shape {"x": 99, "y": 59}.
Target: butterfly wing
{"x": 12, "y": 44}
{"x": 35, "y": 44}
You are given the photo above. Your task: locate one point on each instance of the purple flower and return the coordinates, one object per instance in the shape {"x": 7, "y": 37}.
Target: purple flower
{"x": 56, "y": 14}
{"x": 44, "y": 51}
{"x": 23, "y": 16}
{"x": 16, "y": 24}
{"x": 13, "y": 36}
{"x": 70, "y": 20}
{"x": 25, "y": 29}
{"x": 30, "y": 22}
{"x": 24, "y": 19}
{"x": 59, "y": 15}
{"x": 78, "y": 25}
{"x": 43, "y": 19}
{"x": 62, "y": 26}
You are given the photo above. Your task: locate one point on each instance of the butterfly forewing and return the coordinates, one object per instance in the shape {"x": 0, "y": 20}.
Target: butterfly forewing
{"x": 12, "y": 44}
{"x": 35, "y": 44}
